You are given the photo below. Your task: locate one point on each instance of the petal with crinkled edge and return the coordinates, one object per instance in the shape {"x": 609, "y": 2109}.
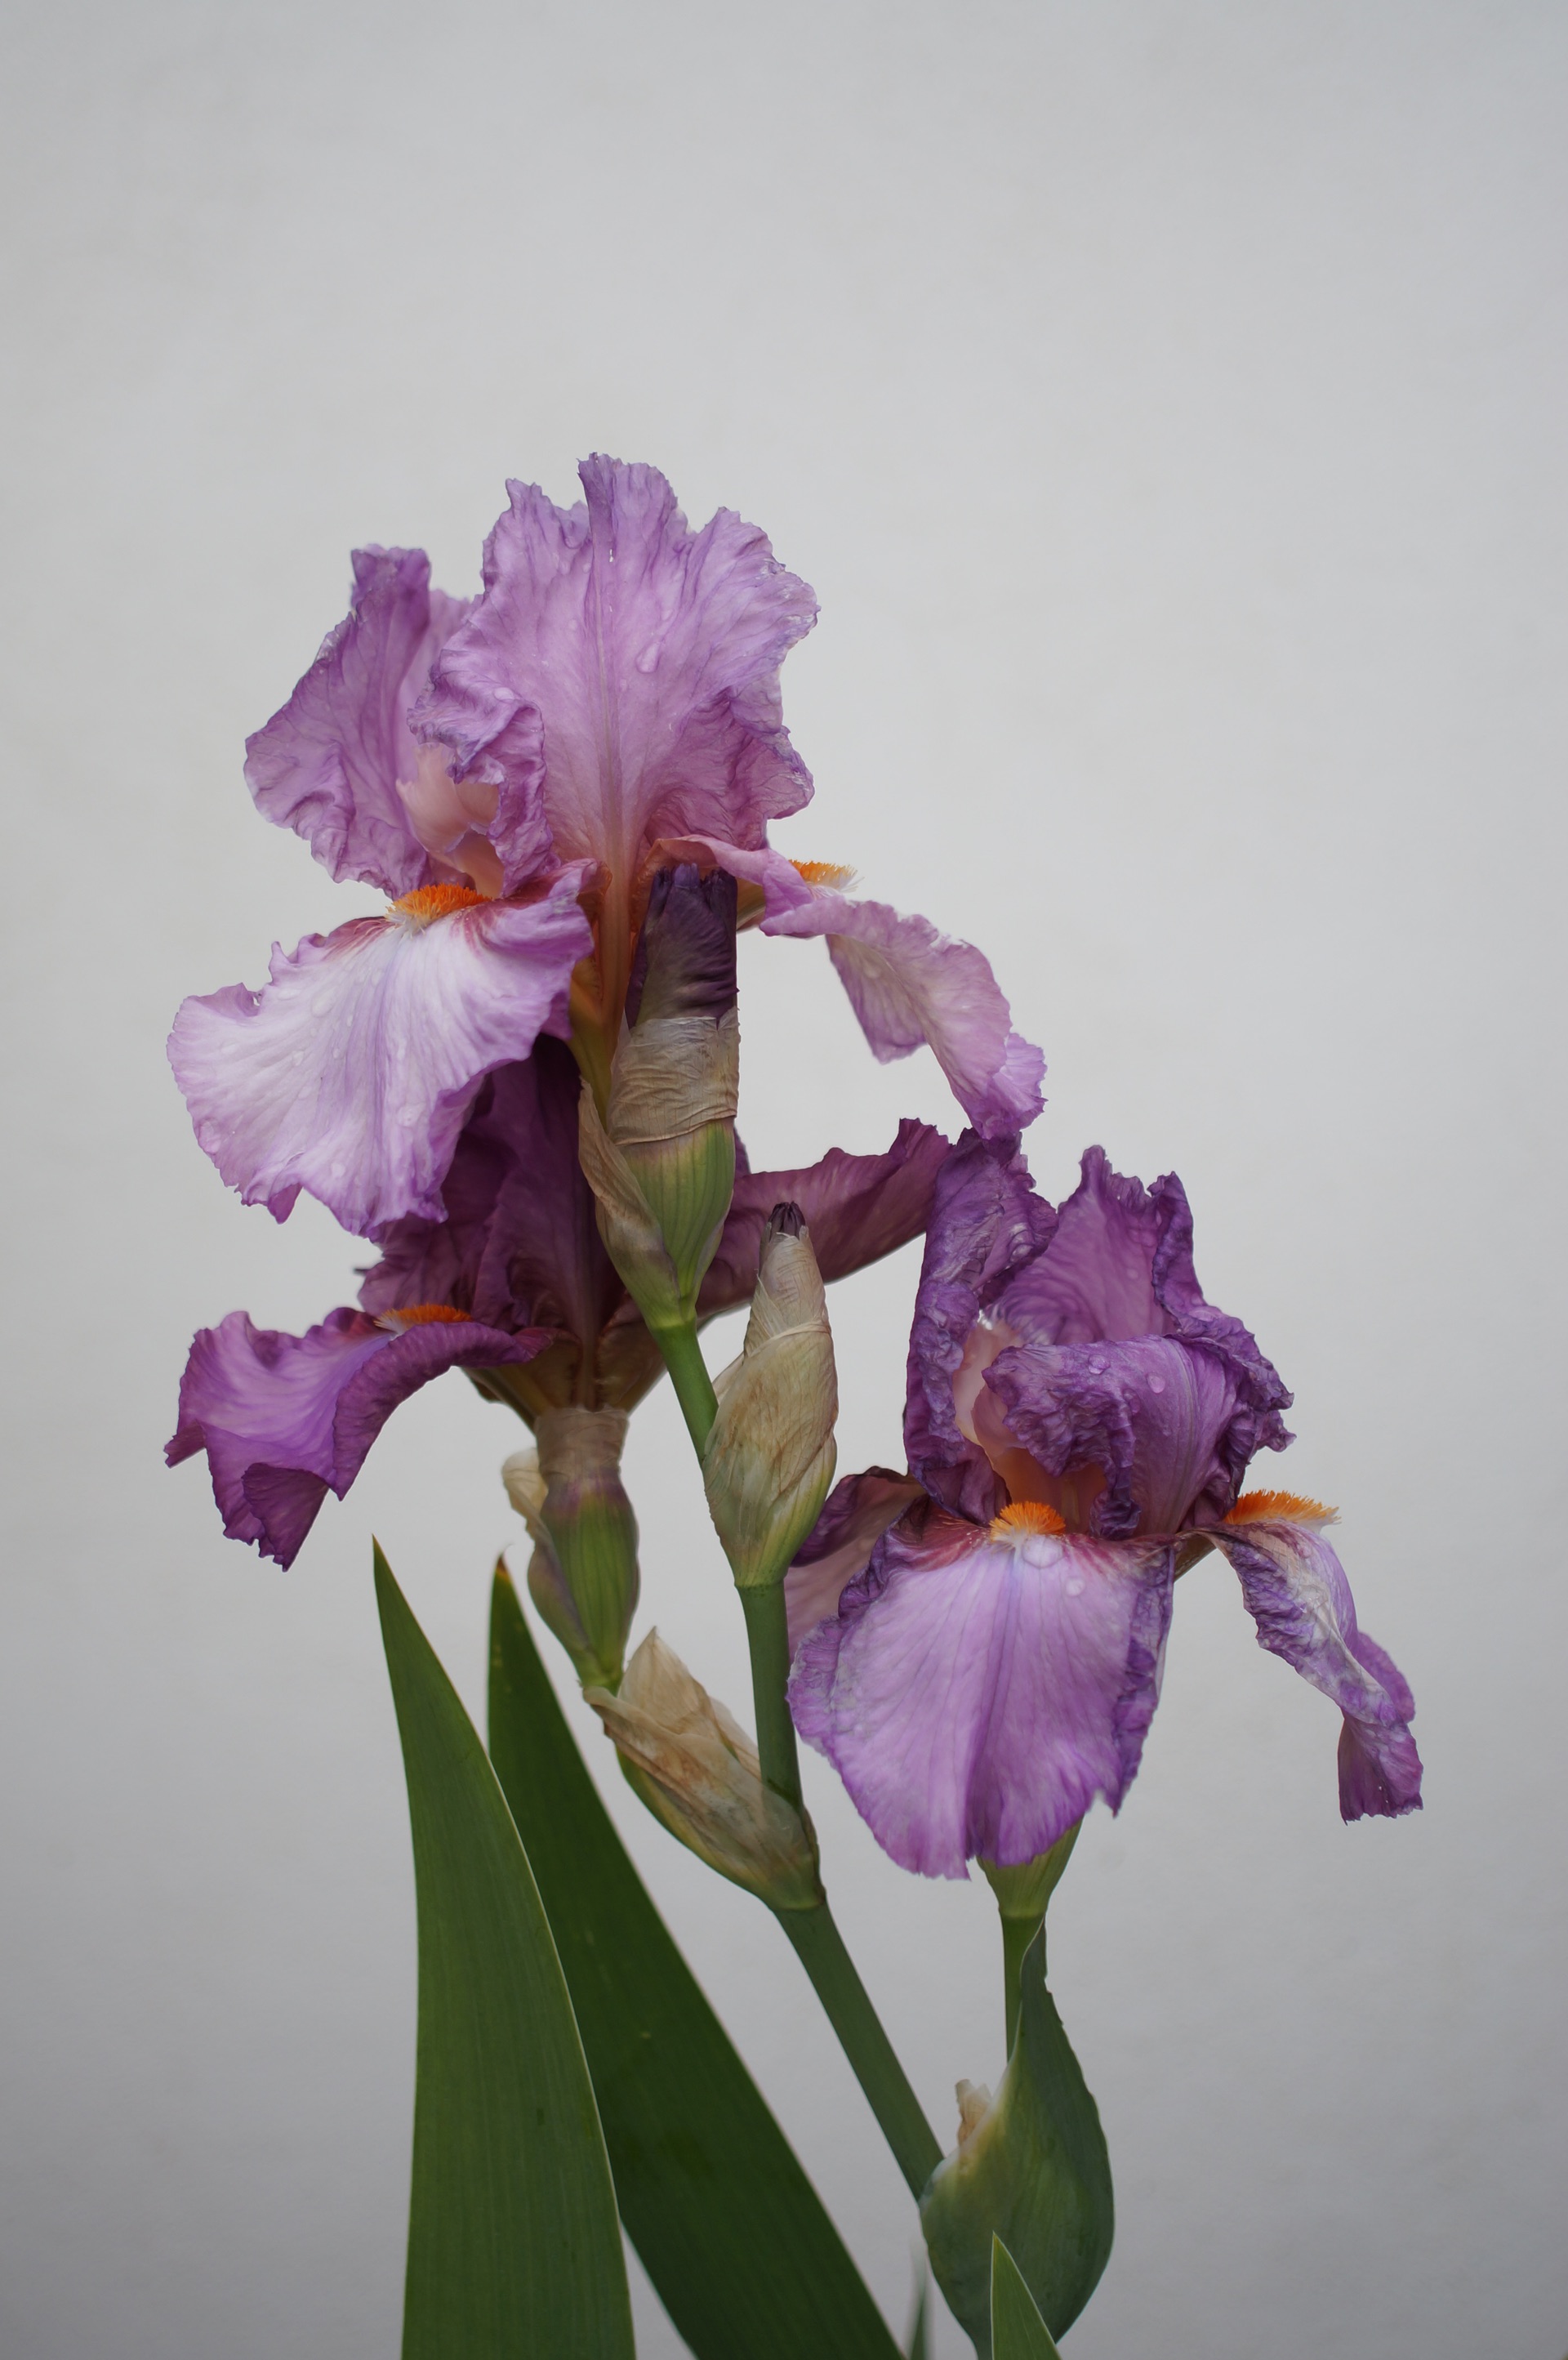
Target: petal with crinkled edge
{"x": 987, "y": 1222}
{"x": 350, "y": 1073}
{"x": 975, "y": 1695}
{"x": 855, "y": 1515}
{"x": 286, "y": 1419}
{"x": 911, "y": 987}
{"x": 857, "y": 1207}
{"x": 1293, "y": 1586}
{"x": 623, "y": 671}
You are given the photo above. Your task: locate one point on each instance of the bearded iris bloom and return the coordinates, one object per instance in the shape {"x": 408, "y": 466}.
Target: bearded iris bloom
{"x": 1079, "y": 1422}
{"x": 513, "y": 774}
{"x": 513, "y": 1285}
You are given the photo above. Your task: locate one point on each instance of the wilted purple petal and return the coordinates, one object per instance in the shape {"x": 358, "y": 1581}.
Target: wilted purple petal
{"x": 858, "y": 1208}
{"x": 622, "y": 671}
{"x": 986, "y": 1223}
{"x": 1293, "y": 1587}
{"x": 911, "y": 985}
{"x": 285, "y": 1419}
{"x": 976, "y": 1693}
{"x": 855, "y": 1515}
{"x": 350, "y": 1073}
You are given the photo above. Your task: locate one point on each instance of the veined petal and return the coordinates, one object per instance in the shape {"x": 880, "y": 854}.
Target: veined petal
{"x": 623, "y": 671}
{"x": 986, "y": 1223}
{"x": 350, "y": 1073}
{"x": 911, "y": 985}
{"x": 1293, "y": 1586}
{"x": 855, "y": 1515}
{"x": 858, "y": 1208}
{"x": 286, "y": 1419}
{"x": 328, "y": 763}
{"x": 975, "y": 1694}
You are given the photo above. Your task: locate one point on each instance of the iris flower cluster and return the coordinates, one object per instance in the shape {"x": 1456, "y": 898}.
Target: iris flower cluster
{"x": 517, "y": 1083}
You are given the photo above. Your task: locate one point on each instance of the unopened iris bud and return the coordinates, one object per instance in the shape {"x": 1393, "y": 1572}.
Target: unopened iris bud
{"x": 661, "y": 1160}
{"x": 697, "y": 1770}
{"x": 584, "y": 1573}
{"x": 771, "y": 1456}
{"x": 1022, "y": 1892}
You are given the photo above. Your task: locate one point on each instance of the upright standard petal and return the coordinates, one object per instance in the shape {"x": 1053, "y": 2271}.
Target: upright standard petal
{"x": 330, "y": 764}
{"x": 858, "y": 1208}
{"x": 1293, "y": 1586}
{"x": 980, "y": 1686}
{"x": 350, "y": 1073}
{"x": 286, "y": 1419}
{"x": 911, "y": 987}
{"x": 623, "y": 671}
{"x": 987, "y": 1222}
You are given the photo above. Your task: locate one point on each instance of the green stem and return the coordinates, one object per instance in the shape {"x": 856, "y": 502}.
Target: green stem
{"x": 1017, "y": 1933}
{"x": 819, "y": 1946}
{"x": 768, "y": 1636}
{"x": 689, "y": 1375}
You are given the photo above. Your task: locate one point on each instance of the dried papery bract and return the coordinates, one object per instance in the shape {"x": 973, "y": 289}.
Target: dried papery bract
{"x": 771, "y": 1456}
{"x": 697, "y": 1770}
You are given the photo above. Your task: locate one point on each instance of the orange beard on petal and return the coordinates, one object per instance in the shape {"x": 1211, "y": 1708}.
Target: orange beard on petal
{"x": 1026, "y": 1516}
{"x": 426, "y": 903}
{"x": 1278, "y": 1508}
{"x": 423, "y": 1314}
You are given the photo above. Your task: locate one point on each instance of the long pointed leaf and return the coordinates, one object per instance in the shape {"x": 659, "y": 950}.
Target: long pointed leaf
{"x": 728, "y": 2226}
{"x": 514, "y": 2247}
{"x": 1017, "y": 2331}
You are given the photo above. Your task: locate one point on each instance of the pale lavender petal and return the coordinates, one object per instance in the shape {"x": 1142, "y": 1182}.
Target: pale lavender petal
{"x": 986, "y": 1224}
{"x": 858, "y": 1208}
{"x": 1293, "y": 1586}
{"x": 976, "y": 1694}
{"x": 623, "y": 671}
{"x": 855, "y": 1515}
{"x": 328, "y": 763}
{"x": 286, "y": 1419}
{"x": 350, "y": 1073}
{"x": 911, "y": 987}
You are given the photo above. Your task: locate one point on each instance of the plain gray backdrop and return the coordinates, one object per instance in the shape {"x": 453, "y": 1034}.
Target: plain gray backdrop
{"x": 1166, "y": 403}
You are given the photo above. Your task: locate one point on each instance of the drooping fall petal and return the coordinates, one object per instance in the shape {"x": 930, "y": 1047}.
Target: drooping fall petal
{"x": 349, "y": 1073}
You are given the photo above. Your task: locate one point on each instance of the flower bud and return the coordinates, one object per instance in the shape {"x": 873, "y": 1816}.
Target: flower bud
{"x": 661, "y": 1160}
{"x": 1030, "y": 2167}
{"x": 771, "y": 1456}
{"x": 584, "y": 1574}
{"x": 1022, "y": 1892}
{"x": 697, "y": 1770}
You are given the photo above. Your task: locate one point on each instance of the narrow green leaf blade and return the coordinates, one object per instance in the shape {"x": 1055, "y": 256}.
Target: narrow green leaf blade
{"x": 919, "y": 2344}
{"x": 730, "y": 2230}
{"x": 1017, "y": 2331}
{"x": 514, "y": 2247}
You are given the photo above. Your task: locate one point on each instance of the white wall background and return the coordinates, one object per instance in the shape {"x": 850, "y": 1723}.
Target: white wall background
{"x": 1166, "y": 401}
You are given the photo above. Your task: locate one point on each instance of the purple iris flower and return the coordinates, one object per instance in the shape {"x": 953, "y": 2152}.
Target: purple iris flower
{"x": 513, "y": 1285}
{"x": 512, "y": 774}
{"x": 1078, "y": 1421}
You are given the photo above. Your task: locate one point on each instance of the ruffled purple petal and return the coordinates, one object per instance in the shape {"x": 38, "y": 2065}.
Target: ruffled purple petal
{"x": 350, "y": 1073}
{"x": 855, "y": 1515}
{"x": 1293, "y": 1586}
{"x": 986, "y": 1223}
{"x": 1112, "y": 1388}
{"x": 621, "y": 671}
{"x": 286, "y": 1419}
{"x": 858, "y": 1208}
{"x": 329, "y": 764}
{"x": 519, "y": 1246}
{"x": 911, "y": 986}
{"x": 976, "y": 1694}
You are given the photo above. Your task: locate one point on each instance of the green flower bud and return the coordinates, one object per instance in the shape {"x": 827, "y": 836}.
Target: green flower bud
{"x": 771, "y": 1456}
{"x": 1022, "y": 1892}
{"x": 584, "y": 1574}
{"x": 660, "y": 1161}
{"x": 697, "y": 1770}
{"x": 1030, "y": 2167}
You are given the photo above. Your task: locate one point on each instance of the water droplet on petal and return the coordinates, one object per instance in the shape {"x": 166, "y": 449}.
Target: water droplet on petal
{"x": 1074, "y": 1587}
{"x": 648, "y": 659}
{"x": 1156, "y": 1384}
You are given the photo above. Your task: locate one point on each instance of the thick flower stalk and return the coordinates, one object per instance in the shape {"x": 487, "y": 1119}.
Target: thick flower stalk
{"x": 1079, "y": 1422}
